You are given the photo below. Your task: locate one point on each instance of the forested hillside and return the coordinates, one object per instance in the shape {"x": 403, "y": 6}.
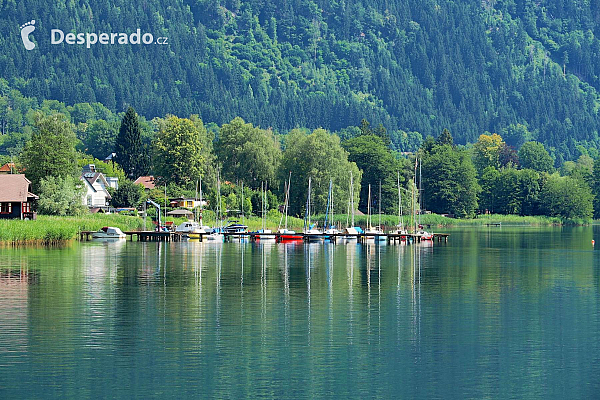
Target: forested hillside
{"x": 528, "y": 70}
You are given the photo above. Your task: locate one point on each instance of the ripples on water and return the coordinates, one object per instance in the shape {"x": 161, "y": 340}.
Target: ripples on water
{"x": 491, "y": 313}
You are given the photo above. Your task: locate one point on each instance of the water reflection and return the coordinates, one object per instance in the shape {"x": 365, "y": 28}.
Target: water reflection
{"x": 497, "y": 315}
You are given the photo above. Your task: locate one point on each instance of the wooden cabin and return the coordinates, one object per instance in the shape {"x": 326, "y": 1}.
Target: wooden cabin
{"x": 16, "y": 199}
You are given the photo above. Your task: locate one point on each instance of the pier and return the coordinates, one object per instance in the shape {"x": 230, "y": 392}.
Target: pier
{"x": 154, "y": 236}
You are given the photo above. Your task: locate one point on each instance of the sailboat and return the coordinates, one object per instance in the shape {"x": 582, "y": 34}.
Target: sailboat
{"x": 373, "y": 232}
{"x": 331, "y": 230}
{"x": 311, "y": 233}
{"x": 351, "y": 233}
{"x": 422, "y": 234}
{"x": 400, "y": 229}
{"x": 284, "y": 234}
{"x": 265, "y": 235}
{"x": 217, "y": 234}
{"x": 193, "y": 229}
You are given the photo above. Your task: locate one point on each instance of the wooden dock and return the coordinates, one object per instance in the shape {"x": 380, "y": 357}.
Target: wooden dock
{"x": 154, "y": 236}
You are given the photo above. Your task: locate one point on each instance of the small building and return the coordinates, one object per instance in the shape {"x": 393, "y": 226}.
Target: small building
{"x": 96, "y": 195}
{"x": 148, "y": 182}
{"x": 16, "y": 199}
{"x": 186, "y": 202}
{"x": 8, "y": 168}
{"x": 96, "y": 185}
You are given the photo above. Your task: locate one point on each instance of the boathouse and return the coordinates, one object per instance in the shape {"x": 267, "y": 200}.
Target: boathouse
{"x": 16, "y": 199}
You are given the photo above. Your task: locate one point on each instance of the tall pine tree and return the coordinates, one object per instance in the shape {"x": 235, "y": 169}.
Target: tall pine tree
{"x": 128, "y": 146}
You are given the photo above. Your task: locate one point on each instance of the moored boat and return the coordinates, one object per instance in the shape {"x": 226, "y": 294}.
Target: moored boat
{"x": 109, "y": 232}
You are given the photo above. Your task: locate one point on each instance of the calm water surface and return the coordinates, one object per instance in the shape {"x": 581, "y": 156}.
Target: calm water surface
{"x": 493, "y": 313}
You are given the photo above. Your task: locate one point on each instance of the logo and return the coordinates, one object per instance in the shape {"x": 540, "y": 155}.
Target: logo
{"x": 89, "y": 39}
{"x": 26, "y": 30}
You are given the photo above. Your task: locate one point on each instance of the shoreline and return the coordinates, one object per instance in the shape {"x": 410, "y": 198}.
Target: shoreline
{"x": 52, "y": 231}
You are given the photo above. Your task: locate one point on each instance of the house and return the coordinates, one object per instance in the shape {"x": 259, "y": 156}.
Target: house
{"x": 16, "y": 199}
{"x": 96, "y": 185}
{"x": 186, "y": 202}
{"x": 147, "y": 181}
{"x": 8, "y": 168}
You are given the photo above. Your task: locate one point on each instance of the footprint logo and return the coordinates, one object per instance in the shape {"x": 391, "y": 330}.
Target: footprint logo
{"x": 26, "y": 30}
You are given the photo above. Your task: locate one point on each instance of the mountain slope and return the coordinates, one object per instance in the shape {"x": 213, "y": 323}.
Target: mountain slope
{"x": 411, "y": 65}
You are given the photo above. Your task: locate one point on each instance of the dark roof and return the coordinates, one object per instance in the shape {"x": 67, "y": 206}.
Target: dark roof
{"x": 180, "y": 212}
{"x": 15, "y": 188}
{"x": 92, "y": 177}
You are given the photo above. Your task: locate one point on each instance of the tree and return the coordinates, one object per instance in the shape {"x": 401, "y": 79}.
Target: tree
{"x": 127, "y": 195}
{"x": 595, "y": 186}
{"x": 445, "y": 138}
{"x": 566, "y": 197}
{"x": 131, "y": 155}
{"x": 377, "y": 164}
{"x": 533, "y": 155}
{"x": 99, "y": 138}
{"x": 182, "y": 150}
{"x": 488, "y": 198}
{"x": 516, "y": 134}
{"x": 51, "y": 150}
{"x": 449, "y": 181}
{"x": 319, "y": 156}
{"x": 508, "y": 157}
{"x": 62, "y": 195}
{"x": 486, "y": 151}
{"x": 247, "y": 153}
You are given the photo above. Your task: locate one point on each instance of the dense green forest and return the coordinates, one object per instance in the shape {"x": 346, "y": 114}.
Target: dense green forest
{"x": 527, "y": 70}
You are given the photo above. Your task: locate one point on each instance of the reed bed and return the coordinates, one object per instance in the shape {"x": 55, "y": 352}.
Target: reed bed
{"x": 49, "y": 230}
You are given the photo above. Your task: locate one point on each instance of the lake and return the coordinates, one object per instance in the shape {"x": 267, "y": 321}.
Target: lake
{"x": 499, "y": 312}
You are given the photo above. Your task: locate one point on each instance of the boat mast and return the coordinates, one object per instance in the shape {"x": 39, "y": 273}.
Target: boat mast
{"x": 352, "y": 197}
{"x": 242, "y": 202}
{"x": 287, "y": 199}
{"x": 201, "y": 206}
{"x": 379, "y": 201}
{"x": 328, "y": 204}
{"x": 262, "y": 205}
{"x": 369, "y": 209}
{"x": 420, "y": 190}
{"x": 399, "y": 203}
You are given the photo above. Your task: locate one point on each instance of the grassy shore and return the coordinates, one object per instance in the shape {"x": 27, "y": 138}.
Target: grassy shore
{"x": 47, "y": 230}
{"x": 435, "y": 220}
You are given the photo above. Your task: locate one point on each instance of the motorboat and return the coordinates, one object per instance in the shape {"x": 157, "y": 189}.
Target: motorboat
{"x": 190, "y": 227}
{"x": 402, "y": 232}
{"x": 313, "y": 235}
{"x": 286, "y": 235}
{"x": 424, "y": 235}
{"x": 109, "y": 232}
{"x": 265, "y": 235}
{"x": 236, "y": 231}
{"x": 350, "y": 234}
{"x": 375, "y": 234}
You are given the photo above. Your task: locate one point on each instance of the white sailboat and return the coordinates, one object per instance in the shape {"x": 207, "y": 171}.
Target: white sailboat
{"x": 330, "y": 230}
{"x": 351, "y": 232}
{"x": 373, "y": 232}
{"x": 217, "y": 234}
{"x": 400, "y": 228}
{"x": 311, "y": 233}
{"x": 419, "y": 231}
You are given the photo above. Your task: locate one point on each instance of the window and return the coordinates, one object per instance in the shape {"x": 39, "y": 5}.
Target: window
{"x": 26, "y": 207}
{"x": 89, "y": 201}
{"x": 6, "y": 208}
